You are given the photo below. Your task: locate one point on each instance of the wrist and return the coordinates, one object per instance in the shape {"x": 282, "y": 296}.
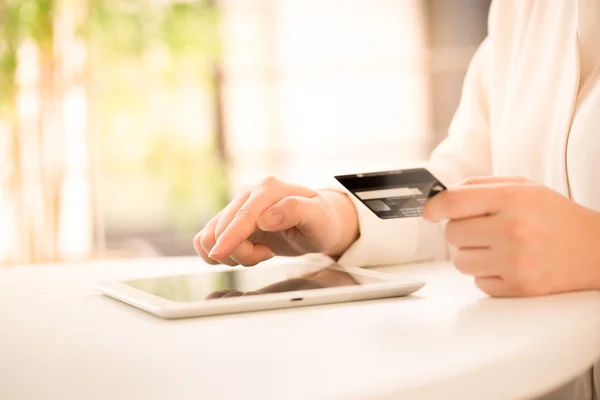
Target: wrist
{"x": 347, "y": 220}
{"x": 595, "y": 250}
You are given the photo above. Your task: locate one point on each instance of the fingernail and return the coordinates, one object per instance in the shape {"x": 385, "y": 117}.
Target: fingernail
{"x": 269, "y": 256}
{"x": 214, "y": 252}
{"x": 430, "y": 217}
{"x": 270, "y": 220}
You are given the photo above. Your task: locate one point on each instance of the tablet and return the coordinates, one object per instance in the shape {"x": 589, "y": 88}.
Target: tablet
{"x": 236, "y": 290}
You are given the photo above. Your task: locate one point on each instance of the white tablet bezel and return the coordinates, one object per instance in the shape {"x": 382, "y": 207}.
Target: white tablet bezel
{"x": 164, "y": 308}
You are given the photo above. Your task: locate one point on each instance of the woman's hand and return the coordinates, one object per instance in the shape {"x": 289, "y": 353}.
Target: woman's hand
{"x": 278, "y": 218}
{"x": 518, "y": 238}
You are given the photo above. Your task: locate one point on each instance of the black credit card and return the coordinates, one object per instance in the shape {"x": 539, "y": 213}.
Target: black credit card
{"x": 393, "y": 194}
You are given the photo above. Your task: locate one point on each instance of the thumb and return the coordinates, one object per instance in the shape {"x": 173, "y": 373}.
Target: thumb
{"x": 304, "y": 213}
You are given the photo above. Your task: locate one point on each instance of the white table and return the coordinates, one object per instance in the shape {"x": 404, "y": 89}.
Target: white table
{"x": 61, "y": 339}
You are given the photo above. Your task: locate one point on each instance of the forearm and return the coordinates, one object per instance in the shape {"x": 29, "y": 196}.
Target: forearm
{"x": 347, "y": 217}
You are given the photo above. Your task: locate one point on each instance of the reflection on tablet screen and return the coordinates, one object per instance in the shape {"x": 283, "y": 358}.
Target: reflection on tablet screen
{"x": 242, "y": 282}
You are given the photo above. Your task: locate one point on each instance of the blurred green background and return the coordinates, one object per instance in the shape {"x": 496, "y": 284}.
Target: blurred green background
{"x": 126, "y": 124}
{"x": 148, "y": 71}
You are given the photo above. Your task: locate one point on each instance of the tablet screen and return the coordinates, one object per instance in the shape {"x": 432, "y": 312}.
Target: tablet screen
{"x": 245, "y": 282}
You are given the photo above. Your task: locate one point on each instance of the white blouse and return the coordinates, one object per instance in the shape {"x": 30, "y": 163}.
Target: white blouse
{"x": 522, "y": 113}
{"x": 530, "y": 107}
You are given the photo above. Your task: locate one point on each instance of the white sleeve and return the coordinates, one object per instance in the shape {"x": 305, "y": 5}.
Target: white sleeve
{"x": 465, "y": 152}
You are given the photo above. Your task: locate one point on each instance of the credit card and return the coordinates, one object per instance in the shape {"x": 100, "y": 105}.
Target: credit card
{"x": 393, "y": 194}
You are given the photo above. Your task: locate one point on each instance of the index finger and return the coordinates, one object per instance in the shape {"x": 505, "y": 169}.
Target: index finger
{"x": 243, "y": 223}
{"x": 466, "y": 201}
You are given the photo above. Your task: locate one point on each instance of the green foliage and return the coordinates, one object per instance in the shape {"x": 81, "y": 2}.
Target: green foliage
{"x": 21, "y": 20}
{"x": 9, "y": 39}
{"x": 194, "y": 176}
{"x": 137, "y": 49}
{"x": 8, "y": 67}
{"x": 189, "y": 28}
{"x": 122, "y": 29}
{"x": 36, "y": 20}
{"x": 141, "y": 50}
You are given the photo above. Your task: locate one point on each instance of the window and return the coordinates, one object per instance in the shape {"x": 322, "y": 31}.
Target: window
{"x": 313, "y": 88}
